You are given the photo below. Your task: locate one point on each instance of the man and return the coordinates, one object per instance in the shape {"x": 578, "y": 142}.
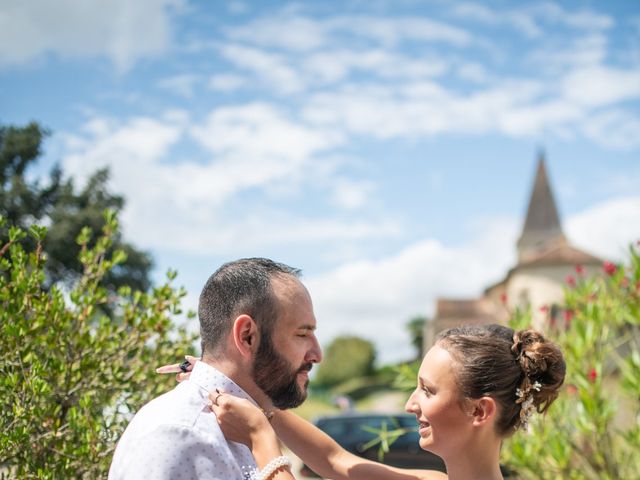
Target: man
{"x": 258, "y": 342}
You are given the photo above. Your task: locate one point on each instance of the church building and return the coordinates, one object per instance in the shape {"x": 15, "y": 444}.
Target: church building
{"x": 545, "y": 260}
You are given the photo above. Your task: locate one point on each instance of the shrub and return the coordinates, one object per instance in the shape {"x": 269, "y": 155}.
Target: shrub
{"x": 74, "y": 363}
{"x": 593, "y": 430}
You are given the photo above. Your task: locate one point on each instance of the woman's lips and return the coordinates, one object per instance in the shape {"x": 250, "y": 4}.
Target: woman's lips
{"x": 423, "y": 428}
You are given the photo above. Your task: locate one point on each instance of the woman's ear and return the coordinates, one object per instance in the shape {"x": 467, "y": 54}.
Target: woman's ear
{"x": 245, "y": 335}
{"x": 484, "y": 410}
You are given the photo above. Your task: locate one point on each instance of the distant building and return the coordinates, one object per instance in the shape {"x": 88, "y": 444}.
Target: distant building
{"x": 545, "y": 259}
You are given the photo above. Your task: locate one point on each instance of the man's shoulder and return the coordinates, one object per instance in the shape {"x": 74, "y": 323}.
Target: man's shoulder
{"x": 183, "y": 406}
{"x": 166, "y": 433}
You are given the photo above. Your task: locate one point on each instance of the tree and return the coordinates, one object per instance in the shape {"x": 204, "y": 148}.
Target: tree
{"x": 66, "y": 211}
{"x": 70, "y": 375}
{"x": 346, "y": 358}
{"x": 415, "y": 326}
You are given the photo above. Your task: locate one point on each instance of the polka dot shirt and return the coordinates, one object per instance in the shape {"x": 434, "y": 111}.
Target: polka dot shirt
{"x": 176, "y": 436}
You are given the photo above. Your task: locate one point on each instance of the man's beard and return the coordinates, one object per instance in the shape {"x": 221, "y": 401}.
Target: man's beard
{"x": 277, "y": 378}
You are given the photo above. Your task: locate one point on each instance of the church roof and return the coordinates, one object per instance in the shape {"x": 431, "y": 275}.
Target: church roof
{"x": 562, "y": 255}
{"x": 470, "y": 310}
{"x": 542, "y": 226}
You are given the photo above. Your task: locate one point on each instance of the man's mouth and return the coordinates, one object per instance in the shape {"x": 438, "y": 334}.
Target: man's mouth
{"x": 305, "y": 369}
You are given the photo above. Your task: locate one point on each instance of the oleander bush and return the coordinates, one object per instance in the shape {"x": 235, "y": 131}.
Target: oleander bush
{"x": 593, "y": 429}
{"x": 76, "y": 361}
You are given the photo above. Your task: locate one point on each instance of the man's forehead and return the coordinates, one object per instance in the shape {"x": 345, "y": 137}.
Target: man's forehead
{"x": 287, "y": 286}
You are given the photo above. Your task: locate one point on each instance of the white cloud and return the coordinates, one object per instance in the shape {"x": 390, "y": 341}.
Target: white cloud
{"x": 608, "y": 228}
{"x": 530, "y": 20}
{"x": 425, "y": 108}
{"x": 351, "y": 194}
{"x": 617, "y": 128}
{"x": 391, "y": 31}
{"x": 269, "y": 68}
{"x": 253, "y": 147}
{"x": 600, "y": 85}
{"x": 227, "y": 82}
{"x": 285, "y": 32}
{"x": 259, "y": 130}
{"x": 303, "y": 34}
{"x": 121, "y": 30}
{"x": 335, "y": 65}
{"x": 558, "y": 56}
{"x": 375, "y": 299}
{"x": 183, "y": 85}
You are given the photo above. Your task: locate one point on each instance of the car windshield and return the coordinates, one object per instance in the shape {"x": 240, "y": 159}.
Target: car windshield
{"x": 357, "y": 430}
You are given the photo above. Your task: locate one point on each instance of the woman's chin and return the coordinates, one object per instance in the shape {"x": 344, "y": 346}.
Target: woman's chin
{"x": 426, "y": 443}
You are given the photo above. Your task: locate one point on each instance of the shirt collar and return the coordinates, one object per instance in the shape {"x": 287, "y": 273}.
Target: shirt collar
{"x": 209, "y": 378}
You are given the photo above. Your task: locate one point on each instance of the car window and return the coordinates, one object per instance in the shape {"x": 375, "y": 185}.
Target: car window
{"x": 355, "y": 431}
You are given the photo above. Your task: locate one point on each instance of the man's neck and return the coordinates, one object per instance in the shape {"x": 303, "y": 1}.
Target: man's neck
{"x": 240, "y": 375}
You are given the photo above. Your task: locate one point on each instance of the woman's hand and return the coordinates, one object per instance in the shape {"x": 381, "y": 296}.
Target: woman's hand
{"x": 183, "y": 370}
{"x": 240, "y": 420}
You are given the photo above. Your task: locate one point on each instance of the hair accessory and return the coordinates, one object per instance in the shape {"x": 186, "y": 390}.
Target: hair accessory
{"x": 269, "y": 469}
{"x": 525, "y": 398}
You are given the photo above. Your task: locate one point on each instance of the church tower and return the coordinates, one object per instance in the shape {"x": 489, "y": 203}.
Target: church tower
{"x": 542, "y": 230}
{"x": 536, "y": 282}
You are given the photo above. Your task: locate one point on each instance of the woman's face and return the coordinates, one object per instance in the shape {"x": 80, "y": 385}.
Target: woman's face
{"x": 443, "y": 425}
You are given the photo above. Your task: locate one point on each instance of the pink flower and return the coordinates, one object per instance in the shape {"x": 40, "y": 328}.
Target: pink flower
{"x": 568, "y": 316}
{"x": 580, "y": 270}
{"x": 592, "y": 375}
{"x": 609, "y": 268}
{"x": 544, "y": 309}
{"x": 624, "y": 283}
{"x": 503, "y": 298}
{"x": 571, "y": 281}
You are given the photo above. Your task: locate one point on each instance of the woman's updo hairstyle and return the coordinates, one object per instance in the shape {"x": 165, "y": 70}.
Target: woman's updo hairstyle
{"x": 521, "y": 371}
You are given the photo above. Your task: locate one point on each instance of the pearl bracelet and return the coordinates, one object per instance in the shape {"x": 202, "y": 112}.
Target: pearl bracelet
{"x": 269, "y": 469}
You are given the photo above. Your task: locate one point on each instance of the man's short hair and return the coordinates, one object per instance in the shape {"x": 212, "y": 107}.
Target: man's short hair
{"x": 236, "y": 288}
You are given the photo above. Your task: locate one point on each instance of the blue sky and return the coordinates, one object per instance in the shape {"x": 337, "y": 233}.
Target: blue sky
{"x": 385, "y": 147}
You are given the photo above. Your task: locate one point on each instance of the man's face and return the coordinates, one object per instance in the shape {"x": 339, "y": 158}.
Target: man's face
{"x": 282, "y": 362}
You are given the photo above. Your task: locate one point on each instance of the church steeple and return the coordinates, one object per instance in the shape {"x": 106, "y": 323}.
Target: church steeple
{"x": 542, "y": 229}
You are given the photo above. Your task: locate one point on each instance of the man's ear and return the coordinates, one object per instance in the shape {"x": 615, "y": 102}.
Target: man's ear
{"x": 245, "y": 335}
{"x": 484, "y": 411}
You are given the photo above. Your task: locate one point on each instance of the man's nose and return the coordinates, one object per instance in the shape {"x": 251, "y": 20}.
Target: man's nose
{"x": 314, "y": 355}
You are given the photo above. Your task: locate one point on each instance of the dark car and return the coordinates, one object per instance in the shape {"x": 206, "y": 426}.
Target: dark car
{"x": 353, "y": 431}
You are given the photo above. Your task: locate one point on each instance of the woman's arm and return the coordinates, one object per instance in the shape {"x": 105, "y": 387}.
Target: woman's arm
{"x": 243, "y": 422}
{"x": 327, "y": 458}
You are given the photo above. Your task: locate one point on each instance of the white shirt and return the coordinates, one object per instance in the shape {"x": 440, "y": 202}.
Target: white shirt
{"x": 177, "y": 437}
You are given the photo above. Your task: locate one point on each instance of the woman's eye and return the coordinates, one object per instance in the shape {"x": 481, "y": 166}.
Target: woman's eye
{"x": 426, "y": 391}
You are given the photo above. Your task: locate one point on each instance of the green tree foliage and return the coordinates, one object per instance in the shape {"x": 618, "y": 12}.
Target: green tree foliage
{"x": 69, "y": 374}
{"x": 66, "y": 211}
{"x": 415, "y": 326}
{"x": 593, "y": 429}
{"x": 346, "y": 358}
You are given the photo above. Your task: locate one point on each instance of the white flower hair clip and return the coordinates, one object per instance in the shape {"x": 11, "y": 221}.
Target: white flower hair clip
{"x": 525, "y": 398}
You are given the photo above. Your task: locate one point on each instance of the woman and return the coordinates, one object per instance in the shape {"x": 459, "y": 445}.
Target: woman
{"x": 476, "y": 387}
